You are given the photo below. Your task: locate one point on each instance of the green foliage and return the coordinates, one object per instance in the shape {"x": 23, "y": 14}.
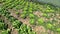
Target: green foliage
{"x": 31, "y": 15}
{"x": 17, "y": 13}
{"x": 46, "y": 15}
{"x": 2, "y": 26}
{"x": 5, "y": 31}
{"x": 16, "y": 24}
{"x": 32, "y": 21}
{"x": 24, "y": 29}
{"x": 28, "y": 9}
{"x": 23, "y": 15}
{"x": 58, "y": 29}
{"x": 49, "y": 25}
{"x": 40, "y": 21}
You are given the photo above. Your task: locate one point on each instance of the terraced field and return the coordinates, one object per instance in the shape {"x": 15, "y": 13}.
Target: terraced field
{"x": 27, "y": 17}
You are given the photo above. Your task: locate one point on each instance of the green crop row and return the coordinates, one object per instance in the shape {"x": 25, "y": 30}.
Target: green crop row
{"x": 5, "y": 31}
{"x": 28, "y": 9}
{"x": 24, "y": 29}
{"x": 16, "y": 23}
{"x": 3, "y": 26}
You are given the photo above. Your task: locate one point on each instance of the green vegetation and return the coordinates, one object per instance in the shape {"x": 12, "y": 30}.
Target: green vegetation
{"x": 58, "y": 29}
{"x": 24, "y": 29}
{"x": 6, "y": 31}
{"x": 32, "y": 21}
{"x": 3, "y": 26}
{"x": 40, "y": 21}
{"x": 27, "y": 11}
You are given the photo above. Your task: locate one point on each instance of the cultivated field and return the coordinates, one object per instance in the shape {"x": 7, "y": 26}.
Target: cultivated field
{"x": 27, "y": 17}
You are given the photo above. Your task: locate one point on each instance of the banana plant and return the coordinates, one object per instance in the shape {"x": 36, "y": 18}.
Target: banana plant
{"x": 29, "y": 28}
{"x": 50, "y": 26}
{"x": 31, "y": 15}
{"x": 23, "y": 15}
{"x": 25, "y": 8}
{"x": 16, "y": 24}
{"x": 24, "y": 29}
{"x": 17, "y": 13}
{"x": 13, "y": 4}
{"x": 11, "y": 18}
{"x": 6, "y": 31}
{"x": 19, "y": 6}
{"x": 32, "y": 21}
{"x": 7, "y": 2}
{"x": 1, "y": 20}
{"x": 40, "y": 21}
{"x": 34, "y": 6}
{"x": 32, "y": 32}
{"x": 1, "y": 0}
{"x": 22, "y": 1}
{"x": 27, "y": 3}
{"x": 24, "y": 12}
{"x": 58, "y": 29}
{"x": 46, "y": 15}
{"x": 49, "y": 9}
{"x": 2, "y": 25}
{"x": 6, "y": 5}
{"x": 41, "y": 8}
{"x": 31, "y": 4}
{"x": 30, "y": 10}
